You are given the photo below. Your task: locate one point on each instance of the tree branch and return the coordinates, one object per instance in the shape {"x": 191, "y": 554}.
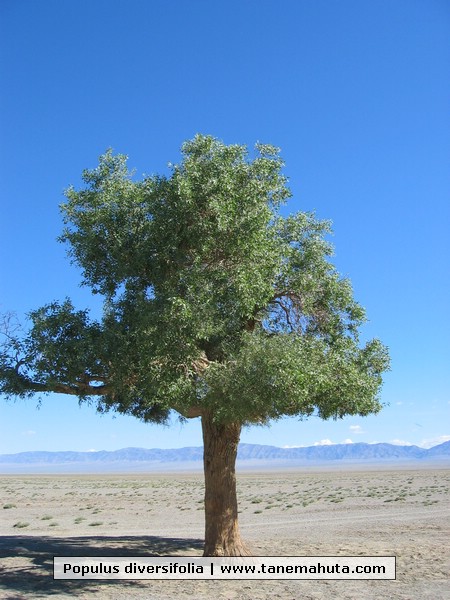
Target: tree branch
{"x": 78, "y": 388}
{"x": 189, "y": 413}
{"x": 286, "y": 312}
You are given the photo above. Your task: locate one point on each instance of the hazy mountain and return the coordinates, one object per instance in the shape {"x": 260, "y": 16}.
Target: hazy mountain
{"x": 247, "y": 452}
{"x": 441, "y": 450}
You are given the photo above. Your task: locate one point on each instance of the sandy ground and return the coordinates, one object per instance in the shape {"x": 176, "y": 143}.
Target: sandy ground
{"x": 379, "y": 512}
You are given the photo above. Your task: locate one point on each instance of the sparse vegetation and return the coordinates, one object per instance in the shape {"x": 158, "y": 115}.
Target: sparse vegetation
{"x": 293, "y": 497}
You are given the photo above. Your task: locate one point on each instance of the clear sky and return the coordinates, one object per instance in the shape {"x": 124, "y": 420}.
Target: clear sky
{"x": 355, "y": 93}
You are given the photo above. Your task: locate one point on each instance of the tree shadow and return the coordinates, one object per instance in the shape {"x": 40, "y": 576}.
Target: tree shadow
{"x": 27, "y": 561}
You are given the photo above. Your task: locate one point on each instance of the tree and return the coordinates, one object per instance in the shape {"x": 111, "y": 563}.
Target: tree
{"x": 215, "y": 306}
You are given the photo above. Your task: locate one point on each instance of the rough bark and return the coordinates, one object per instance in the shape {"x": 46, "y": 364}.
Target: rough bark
{"x": 222, "y": 537}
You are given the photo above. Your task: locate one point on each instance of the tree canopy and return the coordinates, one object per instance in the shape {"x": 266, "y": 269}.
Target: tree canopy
{"x": 214, "y": 303}
{"x": 215, "y": 306}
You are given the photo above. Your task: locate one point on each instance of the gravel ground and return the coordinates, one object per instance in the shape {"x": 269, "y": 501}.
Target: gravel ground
{"x": 303, "y": 513}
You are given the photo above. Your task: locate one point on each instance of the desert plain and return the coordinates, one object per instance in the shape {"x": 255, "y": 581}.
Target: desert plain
{"x": 305, "y": 512}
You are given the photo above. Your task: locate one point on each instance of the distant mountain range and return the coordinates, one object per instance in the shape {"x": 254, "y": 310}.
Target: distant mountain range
{"x": 247, "y": 452}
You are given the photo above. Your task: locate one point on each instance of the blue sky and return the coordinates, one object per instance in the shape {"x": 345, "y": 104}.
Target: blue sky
{"x": 356, "y": 94}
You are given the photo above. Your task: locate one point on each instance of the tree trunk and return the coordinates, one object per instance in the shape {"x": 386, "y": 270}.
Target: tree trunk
{"x": 222, "y": 537}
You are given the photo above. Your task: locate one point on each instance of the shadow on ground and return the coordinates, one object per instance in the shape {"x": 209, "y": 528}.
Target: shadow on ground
{"x": 26, "y": 565}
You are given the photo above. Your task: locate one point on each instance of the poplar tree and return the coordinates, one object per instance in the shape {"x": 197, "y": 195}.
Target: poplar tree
{"x": 215, "y": 307}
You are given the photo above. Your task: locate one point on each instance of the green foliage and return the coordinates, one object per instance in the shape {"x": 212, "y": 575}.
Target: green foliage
{"x": 64, "y": 344}
{"x": 213, "y": 302}
{"x": 290, "y": 374}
